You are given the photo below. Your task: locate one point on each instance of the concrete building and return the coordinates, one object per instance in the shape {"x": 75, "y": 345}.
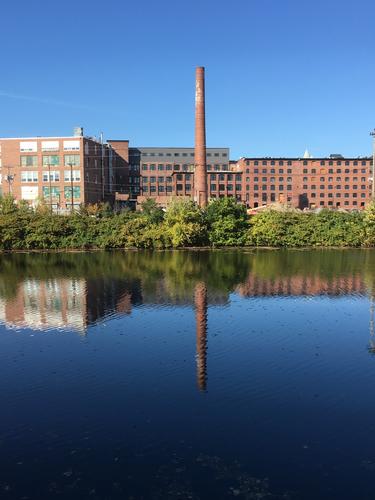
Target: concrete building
{"x": 63, "y": 171}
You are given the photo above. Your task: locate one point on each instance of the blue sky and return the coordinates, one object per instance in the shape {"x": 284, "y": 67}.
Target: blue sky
{"x": 281, "y": 75}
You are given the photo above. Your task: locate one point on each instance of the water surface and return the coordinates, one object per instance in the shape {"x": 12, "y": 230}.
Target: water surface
{"x": 187, "y": 374}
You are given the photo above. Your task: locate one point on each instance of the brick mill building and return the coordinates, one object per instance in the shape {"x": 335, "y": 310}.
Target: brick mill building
{"x": 64, "y": 172}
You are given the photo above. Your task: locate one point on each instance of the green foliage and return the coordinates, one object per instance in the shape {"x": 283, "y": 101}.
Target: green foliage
{"x": 295, "y": 229}
{"x": 185, "y": 224}
{"x": 223, "y": 223}
{"x": 152, "y": 211}
{"x": 227, "y": 222}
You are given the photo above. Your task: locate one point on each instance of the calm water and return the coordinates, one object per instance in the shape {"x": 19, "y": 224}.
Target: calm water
{"x": 222, "y": 374}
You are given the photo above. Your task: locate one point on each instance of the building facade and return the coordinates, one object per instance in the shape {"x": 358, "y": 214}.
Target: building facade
{"x": 332, "y": 182}
{"x": 64, "y": 172}
{"x": 163, "y": 173}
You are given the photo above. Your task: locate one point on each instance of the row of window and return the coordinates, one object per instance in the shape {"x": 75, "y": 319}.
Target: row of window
{"x": 280, "y": 187}
{"x": 306, "y": 171}
{"x": 314, "y": 195}
{"x": 55, "y": 192}
{"x": 53, "y": 175}
{"x": 167, "y": 189}
{"x": 306, "y": 162}
{"x": 32, "y": 146}
{"x": 176, "y": 168}
{"x": 50, "y": 160}
{"x": 224, "y": 155}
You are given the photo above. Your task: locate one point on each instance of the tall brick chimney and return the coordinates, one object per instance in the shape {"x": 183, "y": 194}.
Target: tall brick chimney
{"x": 200, "y": 177}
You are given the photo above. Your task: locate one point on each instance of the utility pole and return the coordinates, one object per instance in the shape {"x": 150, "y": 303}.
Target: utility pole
{"x": 71, "y": 184}
{"x": 102, "y": 164}
{"x": 9, "y": 178}
{"x": 50, "y": 187}
{"x": 373, "y": 166}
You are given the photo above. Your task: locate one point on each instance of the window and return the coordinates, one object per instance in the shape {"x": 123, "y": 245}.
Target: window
{"x": 305, "y": 171}
{"x": 152, "y": 179}
{"x": 72, "y": 160}
{"x": 304, "y": 186}
{"x": 145, "y": 180}
{"x": 53, "y": 160}
{"x": 169, "y": 189}
{"x": 53, "y": 174}
{"x": 281, "y": 170}
{"x": 152, "y": 189}
{"x": 169, "y": 179}
{"x": 28, "y": 147}
{"x": 281, "y": 163}
{"x": 313, "y": 170}
{"x": 144, "y": 167}
{"x": 289, "y": 187}
{"x": 264, "y": 179}
{"x": 50, "y": 145}
{"x": 213, "y": 187}
{"x": 160, "y": 179}
{"x": 179, "y": 187}
{"x": 230, "y": 187}
{"x": 29, "y": 161}
{"x": 221, "y": 187}
{"x": 72, "y": 145}
{"x": 161, "y": 189}
{"x": 160, "y": 167}
{"x": 188, "y": 187}
{"x": 55, "y": 192}
{"x": 168, "y": 167}
{"x": 152, "y": 166}
{"x": 29, "y": 176}
{"x": 68, "y": 192}
{"x": 289, "y": 171}
{"x": 256, "y": 170}
{"x": 76, "y": 175}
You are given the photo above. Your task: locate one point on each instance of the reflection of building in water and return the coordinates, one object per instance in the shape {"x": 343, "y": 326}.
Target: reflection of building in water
{"x": 301, "y": 285}
{"x": 200, "y": 299}
{"x": 68, "y": 303}
{"x": 55, "y": 303}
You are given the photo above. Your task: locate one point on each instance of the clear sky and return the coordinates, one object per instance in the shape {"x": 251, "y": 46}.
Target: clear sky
{"x": 281, "y": 75}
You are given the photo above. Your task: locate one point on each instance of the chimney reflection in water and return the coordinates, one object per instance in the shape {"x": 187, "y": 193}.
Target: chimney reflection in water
{"x": 200, "y": 300}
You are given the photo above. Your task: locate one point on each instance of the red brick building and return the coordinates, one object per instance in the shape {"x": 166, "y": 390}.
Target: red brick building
{"x": 333, "y": 182}
{"x": 63, "y": 171}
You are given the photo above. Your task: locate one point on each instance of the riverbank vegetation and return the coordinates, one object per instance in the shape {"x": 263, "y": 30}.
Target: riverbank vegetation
{"x": 223, "y": 223}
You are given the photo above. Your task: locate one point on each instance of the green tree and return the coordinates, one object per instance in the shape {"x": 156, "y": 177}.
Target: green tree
{"x": 227, "y": 222}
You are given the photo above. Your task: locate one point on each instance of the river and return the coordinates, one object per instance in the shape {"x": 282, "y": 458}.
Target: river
{"x": 187, "y": 374}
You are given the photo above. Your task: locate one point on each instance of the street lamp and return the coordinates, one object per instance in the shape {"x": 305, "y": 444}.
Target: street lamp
{"x": 373, "y": 166}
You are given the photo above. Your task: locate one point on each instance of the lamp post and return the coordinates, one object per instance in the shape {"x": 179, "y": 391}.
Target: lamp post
{"x": 373, "y": 166}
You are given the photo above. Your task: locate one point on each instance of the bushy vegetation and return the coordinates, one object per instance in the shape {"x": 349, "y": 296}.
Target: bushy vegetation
{"x": 223, "y": 223}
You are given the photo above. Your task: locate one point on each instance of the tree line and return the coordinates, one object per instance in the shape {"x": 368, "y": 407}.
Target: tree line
{"x": 223, "y": 222}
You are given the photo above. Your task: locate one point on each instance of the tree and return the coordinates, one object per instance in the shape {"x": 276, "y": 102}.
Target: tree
{"x": 152, "y": 211}
{"x": 227, "y": 222}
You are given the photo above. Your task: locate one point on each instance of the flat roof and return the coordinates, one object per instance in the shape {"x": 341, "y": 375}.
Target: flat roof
{"x": 325, "y": 158}
{"x": 43, "y": 137}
